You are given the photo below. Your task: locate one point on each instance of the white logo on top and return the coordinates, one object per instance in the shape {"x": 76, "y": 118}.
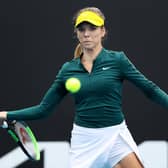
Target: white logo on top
{"x": 105, "y": 68}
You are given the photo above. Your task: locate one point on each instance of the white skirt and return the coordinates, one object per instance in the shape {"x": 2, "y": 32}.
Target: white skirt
{"x": 101, "y": 147}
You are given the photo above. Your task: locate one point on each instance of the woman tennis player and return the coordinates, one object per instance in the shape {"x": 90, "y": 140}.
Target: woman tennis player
{"x": 100, "y": 137}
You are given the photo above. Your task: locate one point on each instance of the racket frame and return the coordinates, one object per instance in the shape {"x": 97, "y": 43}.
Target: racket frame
{"x": 10, "y": 127}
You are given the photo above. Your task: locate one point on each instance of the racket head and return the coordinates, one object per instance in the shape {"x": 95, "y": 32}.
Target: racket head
{"x": 26, "y": 139}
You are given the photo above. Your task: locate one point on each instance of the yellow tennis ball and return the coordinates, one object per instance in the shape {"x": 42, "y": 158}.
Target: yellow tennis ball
{"x": 73, "y": 85}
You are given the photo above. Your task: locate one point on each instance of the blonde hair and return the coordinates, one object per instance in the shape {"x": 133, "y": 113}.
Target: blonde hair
{"x": 78, "y": 50}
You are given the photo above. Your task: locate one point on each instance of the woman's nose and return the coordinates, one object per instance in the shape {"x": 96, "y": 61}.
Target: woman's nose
{"x": 86, "y": 33}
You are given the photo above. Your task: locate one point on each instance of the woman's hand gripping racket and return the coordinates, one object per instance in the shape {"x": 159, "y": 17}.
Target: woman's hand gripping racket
{"x": 24, "y": 137}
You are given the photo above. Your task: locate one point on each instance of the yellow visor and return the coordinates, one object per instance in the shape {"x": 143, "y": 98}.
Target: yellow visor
{"x": 91, "y": 17}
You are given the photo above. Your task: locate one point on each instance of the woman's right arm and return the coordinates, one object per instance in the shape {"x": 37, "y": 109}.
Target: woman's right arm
{"x": 49, "y": 102}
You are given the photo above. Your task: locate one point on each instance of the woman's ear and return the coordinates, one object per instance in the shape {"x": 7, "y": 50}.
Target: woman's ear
{"x": 103, "y": 31}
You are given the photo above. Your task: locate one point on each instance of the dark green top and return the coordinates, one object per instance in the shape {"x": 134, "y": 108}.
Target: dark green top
{"x": 99, "y": 101}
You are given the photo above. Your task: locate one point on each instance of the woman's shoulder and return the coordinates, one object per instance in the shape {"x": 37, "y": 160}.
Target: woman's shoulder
{"x": 69, "y": 64}
{"x": 113, "y": 54}
{"x": 65, "y": 65}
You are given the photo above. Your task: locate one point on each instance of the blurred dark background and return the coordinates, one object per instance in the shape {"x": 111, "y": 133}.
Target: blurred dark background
{"x": 36, "y": 38}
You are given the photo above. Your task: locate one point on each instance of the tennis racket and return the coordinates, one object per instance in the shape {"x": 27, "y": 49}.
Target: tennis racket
{"x": 24, "y": 137}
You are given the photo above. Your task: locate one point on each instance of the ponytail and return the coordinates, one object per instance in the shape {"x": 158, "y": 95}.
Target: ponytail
{"x": 78, "y": 51}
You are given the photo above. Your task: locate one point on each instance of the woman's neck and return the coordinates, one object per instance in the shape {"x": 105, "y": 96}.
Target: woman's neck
{"x": 89, "y": 55}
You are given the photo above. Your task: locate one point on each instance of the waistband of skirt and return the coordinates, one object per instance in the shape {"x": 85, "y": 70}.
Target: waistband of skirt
{"x": 99, "y": 130}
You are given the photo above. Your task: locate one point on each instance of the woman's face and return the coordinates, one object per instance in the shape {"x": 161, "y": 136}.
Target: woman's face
{"x": 90, "y": 36}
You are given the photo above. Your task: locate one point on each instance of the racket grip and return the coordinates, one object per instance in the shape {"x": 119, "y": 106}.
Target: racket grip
{"x": 4, "y": 125}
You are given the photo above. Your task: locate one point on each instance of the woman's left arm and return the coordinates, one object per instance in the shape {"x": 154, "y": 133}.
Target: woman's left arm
{"x": 150, "y": 89}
